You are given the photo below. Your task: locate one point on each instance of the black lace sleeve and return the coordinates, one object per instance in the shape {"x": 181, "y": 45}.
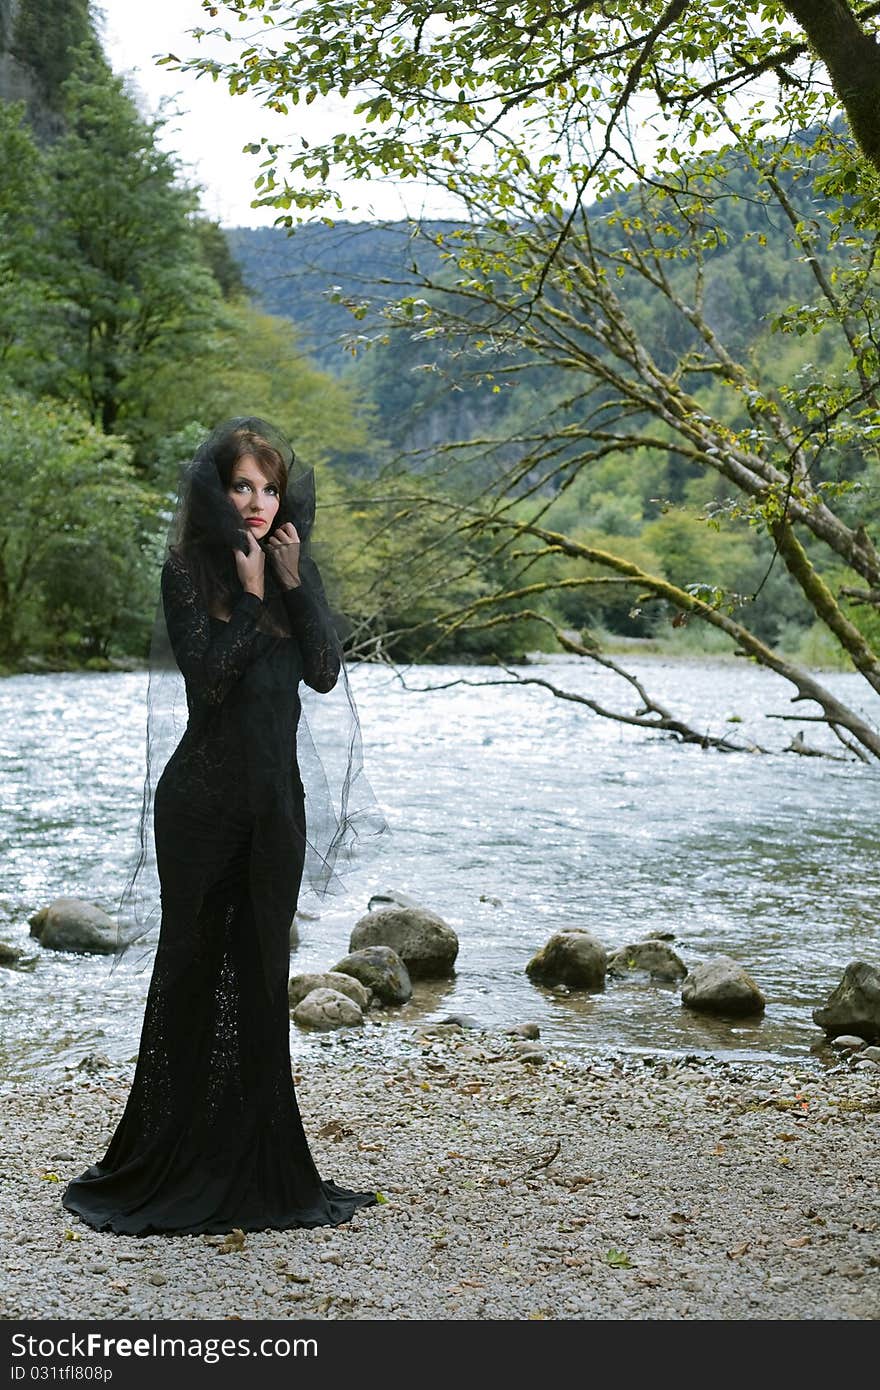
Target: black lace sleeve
{"x": 312, "y": 626}
{"x": 210, "y": 660}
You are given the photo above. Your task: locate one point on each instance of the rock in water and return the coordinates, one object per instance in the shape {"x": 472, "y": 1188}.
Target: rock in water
{"x": 722, "y": 986}
{"x": 854, "y": 1006}
{"x": 71, "y": 924}
{"x": 381, "y": 970}
{"x": 390, "y": 898}
{"x": 298, "y": 986}
{"x": 574, "y": 958}
{"x": 653, "y": 956}
{"x": 425, "y": 943}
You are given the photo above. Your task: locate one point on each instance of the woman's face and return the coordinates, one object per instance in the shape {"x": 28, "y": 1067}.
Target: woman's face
{"x": 254, "y": 495}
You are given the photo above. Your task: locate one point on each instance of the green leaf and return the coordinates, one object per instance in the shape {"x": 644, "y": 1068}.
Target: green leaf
{"x": 617, "y": 1259}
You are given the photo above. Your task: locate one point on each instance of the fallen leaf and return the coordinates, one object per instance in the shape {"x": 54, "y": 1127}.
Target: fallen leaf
{"x": 798, "y": 1242}
{"x": 617, "y": 1259}
{"x": 234, "y": 1242}
{"x": 738, "y": 1251}
{"x": 789, "y": 1138}
{"x": 333, "y": 1129}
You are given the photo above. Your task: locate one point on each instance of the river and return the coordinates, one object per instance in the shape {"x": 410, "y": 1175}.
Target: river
{"x": 513, "y": 814}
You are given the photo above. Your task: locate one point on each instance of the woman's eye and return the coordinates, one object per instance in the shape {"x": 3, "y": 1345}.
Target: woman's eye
{"x": 240, "y": 485}
{"x": 273, "y": 489}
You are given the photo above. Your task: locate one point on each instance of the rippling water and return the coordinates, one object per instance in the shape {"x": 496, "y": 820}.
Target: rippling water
{"x": 513, "y": 814}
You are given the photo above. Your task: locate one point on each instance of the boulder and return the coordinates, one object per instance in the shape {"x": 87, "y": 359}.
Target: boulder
{"x": 425, "y": 943}
{"x": 324, "y": 1009}
{"x": 574, "y": 958}
{"x": 722, "y": 986}
{"x": 9, "y": 955}
{"x": 71, "y": 924}
{"x": 380, "y": 970}
{"x": 298, "y": 986}
{"x": 654, "y": 956}
{"x": 854, "y": 1006}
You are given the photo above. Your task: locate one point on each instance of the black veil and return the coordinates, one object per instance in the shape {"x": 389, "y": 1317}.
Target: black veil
{"x": 344, "y": 823}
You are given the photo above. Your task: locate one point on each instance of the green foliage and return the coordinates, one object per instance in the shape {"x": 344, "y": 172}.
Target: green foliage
{"x": 71, "y": 565}
{"x": 128, "y": 295}
{"x": 20, "y": 301}
{"x": 216, "y": 255}
{"x": 46, "y": 35}
{"x": 485, "y": 99}
{"x": 399, "y": 569}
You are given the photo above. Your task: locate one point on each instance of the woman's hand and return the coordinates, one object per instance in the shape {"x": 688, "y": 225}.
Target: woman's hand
{"x": 251, "y": 567}
{"x": 283, "y": 546}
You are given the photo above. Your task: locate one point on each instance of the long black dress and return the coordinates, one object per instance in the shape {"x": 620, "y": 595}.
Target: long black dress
{"x": 211, "y": 1137}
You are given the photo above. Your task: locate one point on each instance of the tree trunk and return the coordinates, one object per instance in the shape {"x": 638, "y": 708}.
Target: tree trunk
{"x": 852, "y": 58}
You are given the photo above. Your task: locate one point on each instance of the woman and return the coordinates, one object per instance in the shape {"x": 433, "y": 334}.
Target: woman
{"x": 211, "y": 1138}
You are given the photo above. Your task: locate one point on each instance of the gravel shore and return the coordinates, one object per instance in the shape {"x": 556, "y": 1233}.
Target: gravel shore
{"x": 615, "y": 1189}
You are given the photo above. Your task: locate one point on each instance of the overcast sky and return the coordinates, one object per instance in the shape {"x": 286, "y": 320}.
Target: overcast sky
{"x": 209, "y": 133}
